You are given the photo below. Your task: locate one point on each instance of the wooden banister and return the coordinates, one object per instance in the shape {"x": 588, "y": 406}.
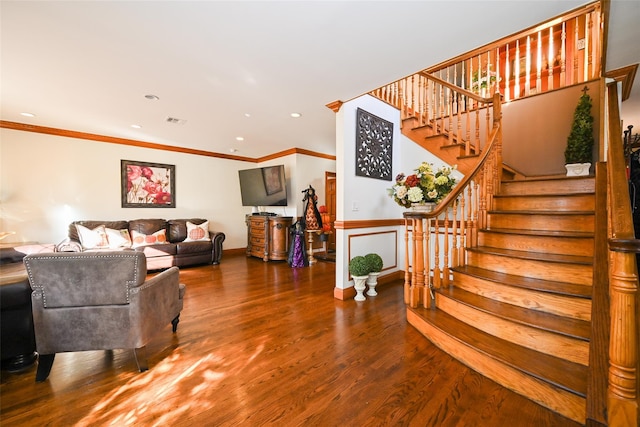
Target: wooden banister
{"x": 622, "y": 402}
{"x": 432, "y": 257}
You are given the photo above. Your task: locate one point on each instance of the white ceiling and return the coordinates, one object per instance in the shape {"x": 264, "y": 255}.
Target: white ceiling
{"x": 87, "y": 65}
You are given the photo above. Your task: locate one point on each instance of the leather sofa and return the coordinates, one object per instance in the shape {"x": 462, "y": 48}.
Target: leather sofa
{"x": 166, "y": 243}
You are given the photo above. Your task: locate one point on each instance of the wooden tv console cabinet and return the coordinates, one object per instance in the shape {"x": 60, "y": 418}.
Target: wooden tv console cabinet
{"x": 268, "y": 237}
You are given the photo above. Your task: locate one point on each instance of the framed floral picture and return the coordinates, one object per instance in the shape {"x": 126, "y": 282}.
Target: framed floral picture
{"x": 147, "y": 185}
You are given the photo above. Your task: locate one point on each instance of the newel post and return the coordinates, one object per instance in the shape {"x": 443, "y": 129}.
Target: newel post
{"x": 623, "y": 346}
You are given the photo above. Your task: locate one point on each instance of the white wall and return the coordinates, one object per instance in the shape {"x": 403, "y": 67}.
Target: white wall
{"x": 310, "y": 171}
{"x": 48, "y": 181}
{"x": 370, "y": 195}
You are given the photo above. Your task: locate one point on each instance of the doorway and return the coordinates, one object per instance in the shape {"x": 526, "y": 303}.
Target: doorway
{"x": 330, "y": 195}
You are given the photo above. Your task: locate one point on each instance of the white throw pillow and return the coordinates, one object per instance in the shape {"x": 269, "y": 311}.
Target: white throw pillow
{"x": 93, "y": 239}
{"x": 118, "y": 238}
{"x": 197, "y": 232}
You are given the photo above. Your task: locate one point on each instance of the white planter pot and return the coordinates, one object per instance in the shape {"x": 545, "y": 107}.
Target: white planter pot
{"x": 578, "y": 169}
{"x": 359, "y": 284}
{"x": 372, "y": 281}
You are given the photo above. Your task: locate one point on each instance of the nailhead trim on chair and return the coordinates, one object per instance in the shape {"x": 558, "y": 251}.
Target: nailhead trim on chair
{"x": 121, "y": 255}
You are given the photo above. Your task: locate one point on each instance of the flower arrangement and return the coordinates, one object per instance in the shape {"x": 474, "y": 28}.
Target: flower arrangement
{"x": 423, "y": 186}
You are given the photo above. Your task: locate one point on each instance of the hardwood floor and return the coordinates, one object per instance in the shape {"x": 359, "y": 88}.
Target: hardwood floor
{"x": 263, "y": 344}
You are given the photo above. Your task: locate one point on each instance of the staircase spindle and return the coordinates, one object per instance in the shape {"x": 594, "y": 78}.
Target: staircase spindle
{"x": 445, "y": 246}
{"x": 449, "y": 98}
{"x": 576, "y": 35}
{"x": 587, "y": 28}
{"x": 527, "y": 68}
{"x": 436, "y": 255}
{"x": 464, "y": 241}
{"x": 550, "y": 57}
{"x": 426, "y": 295}
{"x": 539, "y": 63}
{"x": 507, "y": 74}
{"x": 456, "y": 249}
{"x": 407, "y": 275}
{"x": 517, "y": 72}
{"x": 563, "y": 55}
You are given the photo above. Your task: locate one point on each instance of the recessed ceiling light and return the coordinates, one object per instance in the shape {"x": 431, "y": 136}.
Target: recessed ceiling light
{"x": 136, "y": 126}
{"x": 151, "y": 97}
{"x": 27, "y": 114}
{"x": 296, "y": 115}
{"x": 239, "y": 138}
{"x": 247, "y": 115}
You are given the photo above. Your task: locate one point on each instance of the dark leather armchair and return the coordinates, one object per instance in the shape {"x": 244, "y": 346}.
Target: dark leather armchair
{"x": 99, "y": 301}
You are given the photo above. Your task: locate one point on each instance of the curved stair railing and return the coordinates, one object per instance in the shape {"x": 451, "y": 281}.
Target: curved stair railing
{"x": 441, "y": 108}
{"x": 436, "y": 242}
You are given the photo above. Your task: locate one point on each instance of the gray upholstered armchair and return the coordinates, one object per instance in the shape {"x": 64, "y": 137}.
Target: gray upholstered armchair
{"x": 98, "y": 301}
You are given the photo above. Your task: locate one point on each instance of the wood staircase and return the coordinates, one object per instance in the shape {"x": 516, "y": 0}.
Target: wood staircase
{"x": 447, "y": 147}
{"x": 519, "y": 310}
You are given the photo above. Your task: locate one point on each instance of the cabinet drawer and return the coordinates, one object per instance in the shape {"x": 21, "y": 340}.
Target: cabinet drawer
{"x": 257, "y": 222}
{"x": 257, "y": 232}
{"x": 258, "y": 252}
{"x": 257, "y": 241}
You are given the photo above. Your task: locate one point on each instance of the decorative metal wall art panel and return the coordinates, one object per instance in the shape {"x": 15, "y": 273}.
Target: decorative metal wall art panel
{"x": 374, "y": 145}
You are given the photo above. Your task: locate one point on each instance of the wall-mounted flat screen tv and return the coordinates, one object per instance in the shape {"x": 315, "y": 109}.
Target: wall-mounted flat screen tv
{"x": 265, "y": 186}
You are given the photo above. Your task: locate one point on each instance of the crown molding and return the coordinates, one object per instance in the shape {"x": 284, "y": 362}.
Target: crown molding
{"x": 152, "y": 145}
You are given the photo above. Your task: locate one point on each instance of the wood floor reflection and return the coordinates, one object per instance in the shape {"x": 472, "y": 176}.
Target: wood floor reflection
{"x": 264, "y": 344}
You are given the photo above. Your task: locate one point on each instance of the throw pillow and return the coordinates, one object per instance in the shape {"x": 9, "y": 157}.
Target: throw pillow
{"x": 93, "y": 239}
{"x": 140, "y": 239}
{"x": 197, "y": 232}
{"x": 118, "y": 238}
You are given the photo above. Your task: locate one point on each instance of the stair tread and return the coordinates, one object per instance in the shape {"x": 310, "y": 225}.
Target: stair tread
{"x": 543, "y": 195}
{"x": 541, "y": 212}
{"x": 574, "y": 328}
{"x": 552, "y": 178}
{"x": 548, "y": 286}
{"x": 536, "y": 256}
{"x": 545, "y": 233}
{"x": 566, "y": 375}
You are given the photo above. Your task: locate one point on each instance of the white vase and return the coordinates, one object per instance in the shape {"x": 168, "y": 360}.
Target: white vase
{"x": 578, "y": 169}
{"x": 372, "y": 281}
{"x": 359, "y": 284}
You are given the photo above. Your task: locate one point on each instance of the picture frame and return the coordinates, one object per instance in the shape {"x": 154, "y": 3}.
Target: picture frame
{"x": 272, "y": 180}
{"x": 147, "y": 185}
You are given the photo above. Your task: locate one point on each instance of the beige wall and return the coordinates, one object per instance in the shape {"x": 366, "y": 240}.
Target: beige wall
{"x": 48, "y": 181}
{"x": 536, "y": 129}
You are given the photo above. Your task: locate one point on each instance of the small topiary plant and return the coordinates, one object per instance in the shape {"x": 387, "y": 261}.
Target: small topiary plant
{"x": 359, "y": 266}
{"x": 580, "y": 141}
{"x": 375, "y": 262}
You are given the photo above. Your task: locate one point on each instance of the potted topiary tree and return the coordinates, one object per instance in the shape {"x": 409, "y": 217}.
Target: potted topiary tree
{"x": 579, "y": 152}
{"x": 375, "y": 263}
{"x": 359, "y": 269}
